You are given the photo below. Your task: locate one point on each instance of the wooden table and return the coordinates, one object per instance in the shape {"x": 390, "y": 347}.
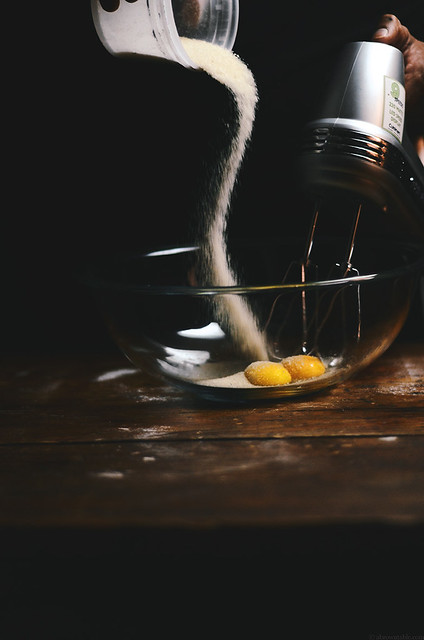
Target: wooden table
{"x": 105, "y": 474}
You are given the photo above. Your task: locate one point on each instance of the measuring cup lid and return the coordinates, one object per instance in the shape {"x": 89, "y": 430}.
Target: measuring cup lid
{"x": 154, "y": 27}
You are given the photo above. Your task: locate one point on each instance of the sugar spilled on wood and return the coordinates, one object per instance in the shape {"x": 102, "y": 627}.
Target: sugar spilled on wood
{"x": 233, "y": 311}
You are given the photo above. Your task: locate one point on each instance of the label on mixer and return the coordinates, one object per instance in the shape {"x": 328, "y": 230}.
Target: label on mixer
{"x": 394, "y": 107}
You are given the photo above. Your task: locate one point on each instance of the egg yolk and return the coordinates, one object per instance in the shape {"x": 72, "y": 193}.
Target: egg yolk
{"x": 265, "y": 374}
{"x": 303, "y": 367}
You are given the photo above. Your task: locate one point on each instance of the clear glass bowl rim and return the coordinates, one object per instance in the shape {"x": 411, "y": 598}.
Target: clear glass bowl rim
{"x": 94, "y": 280}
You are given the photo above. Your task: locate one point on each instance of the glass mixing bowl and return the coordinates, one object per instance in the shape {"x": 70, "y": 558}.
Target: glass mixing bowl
{"x": 202, "y": 338}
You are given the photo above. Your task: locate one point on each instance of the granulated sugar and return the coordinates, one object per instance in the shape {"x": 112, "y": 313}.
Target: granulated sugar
{"x": 234, "y": 312}
{"x": 235, "y": 381}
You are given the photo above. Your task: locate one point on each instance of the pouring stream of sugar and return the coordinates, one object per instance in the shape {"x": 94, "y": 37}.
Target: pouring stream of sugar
{"x": 225, "y": 67}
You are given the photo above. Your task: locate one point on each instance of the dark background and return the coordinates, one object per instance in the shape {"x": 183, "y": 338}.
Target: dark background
{"x": 103, "y": 154}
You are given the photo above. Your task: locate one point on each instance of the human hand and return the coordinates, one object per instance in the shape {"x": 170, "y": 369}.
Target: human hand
{"x": 391, "y": 31}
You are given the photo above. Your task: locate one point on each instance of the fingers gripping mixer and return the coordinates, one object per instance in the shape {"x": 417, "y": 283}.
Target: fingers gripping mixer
{"x": 359, "y": 144}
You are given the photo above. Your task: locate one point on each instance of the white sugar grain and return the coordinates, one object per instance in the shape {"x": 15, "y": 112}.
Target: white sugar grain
{"x": 233, "y": 311}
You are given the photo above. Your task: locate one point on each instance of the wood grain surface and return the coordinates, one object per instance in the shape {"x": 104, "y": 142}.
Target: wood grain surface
{"x": 86, "y": 441}
{"x": 127, "y": 506}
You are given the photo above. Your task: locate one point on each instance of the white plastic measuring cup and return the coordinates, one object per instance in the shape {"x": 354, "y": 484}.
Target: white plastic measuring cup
{"x": 154, "y": 27}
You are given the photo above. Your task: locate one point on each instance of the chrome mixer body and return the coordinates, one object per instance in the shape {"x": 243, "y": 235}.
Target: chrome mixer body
{"x": 358, "y": 144}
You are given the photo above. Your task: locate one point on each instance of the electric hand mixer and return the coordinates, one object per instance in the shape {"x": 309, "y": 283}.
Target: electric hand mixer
{"x": 358, "y": 144}
{"x": 358, "y": 148}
